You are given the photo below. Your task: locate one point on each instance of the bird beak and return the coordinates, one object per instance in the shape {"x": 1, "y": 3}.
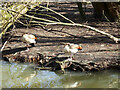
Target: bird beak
{"x": 80, "y": 48}
{"x": 35, "y": 38}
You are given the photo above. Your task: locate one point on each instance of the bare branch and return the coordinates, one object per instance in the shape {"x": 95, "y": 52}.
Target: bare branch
{"x": 51, "y": 22}
{"x": 86, "y": 26}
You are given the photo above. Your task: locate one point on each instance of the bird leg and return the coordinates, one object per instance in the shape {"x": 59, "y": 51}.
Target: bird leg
{"x": 27, "y": 48}
{"x": 71, "y": 56}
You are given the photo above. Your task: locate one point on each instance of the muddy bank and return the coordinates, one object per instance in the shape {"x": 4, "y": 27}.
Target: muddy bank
{"x": 99, "y": 52}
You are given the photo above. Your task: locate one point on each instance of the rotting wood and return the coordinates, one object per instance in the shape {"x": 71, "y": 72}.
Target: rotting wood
{"x": 55, "y": 63}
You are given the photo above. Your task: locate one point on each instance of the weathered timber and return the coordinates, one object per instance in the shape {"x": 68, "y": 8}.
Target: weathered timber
{"x": 98, "y": 52}
{"x": 62, "y": 63}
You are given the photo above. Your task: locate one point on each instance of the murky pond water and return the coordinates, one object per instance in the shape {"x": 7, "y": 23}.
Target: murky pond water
{"x": 24, "y": 75}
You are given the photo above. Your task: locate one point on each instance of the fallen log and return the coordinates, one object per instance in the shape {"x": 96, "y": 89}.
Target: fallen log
{"x": 62, "y": 63}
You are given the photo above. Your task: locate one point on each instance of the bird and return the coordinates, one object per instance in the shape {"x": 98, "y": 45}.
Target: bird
{"x": 29, "y": 39}
{"x": 72, "y": 48}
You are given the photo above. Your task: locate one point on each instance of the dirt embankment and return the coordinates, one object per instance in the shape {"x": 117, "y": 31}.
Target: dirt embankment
{"x": 99, "y": 52}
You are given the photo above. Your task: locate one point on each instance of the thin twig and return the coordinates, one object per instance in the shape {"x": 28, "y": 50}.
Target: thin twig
{"x": 57, "y": 14}
{"x": 46, "y": 16}
{"x": 7, "y": 41}
{"x": 3, "y": 45}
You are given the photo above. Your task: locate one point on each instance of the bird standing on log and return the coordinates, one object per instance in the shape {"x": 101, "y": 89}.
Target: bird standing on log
{"x": 28, "y": 39}
{"x": 72, "y": 48}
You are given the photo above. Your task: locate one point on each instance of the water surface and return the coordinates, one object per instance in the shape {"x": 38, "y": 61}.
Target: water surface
{"x": 24, "y": 75}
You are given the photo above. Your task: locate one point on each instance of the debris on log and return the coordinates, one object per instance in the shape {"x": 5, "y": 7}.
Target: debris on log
{"x": 99, "y": 52}
{"x": 62, "y": 63}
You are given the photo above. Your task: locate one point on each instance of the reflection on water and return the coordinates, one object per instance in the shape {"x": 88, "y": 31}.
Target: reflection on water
{"x": 24, "y": 75}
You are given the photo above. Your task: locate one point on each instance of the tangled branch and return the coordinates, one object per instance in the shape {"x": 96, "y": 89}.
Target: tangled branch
{"x": 43, "y": 21}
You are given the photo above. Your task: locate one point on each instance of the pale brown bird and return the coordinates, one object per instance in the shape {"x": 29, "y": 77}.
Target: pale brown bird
{"x": 28, "y": 39}
{"x": 72, "y": 48}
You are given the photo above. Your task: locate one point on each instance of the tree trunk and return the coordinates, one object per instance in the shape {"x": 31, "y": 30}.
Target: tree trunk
{"x": 82, "y": 13}
{"x": 110, "y": 10}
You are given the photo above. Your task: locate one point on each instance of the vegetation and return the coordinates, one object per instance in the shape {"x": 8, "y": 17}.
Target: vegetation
{"x": 11, "y": 12}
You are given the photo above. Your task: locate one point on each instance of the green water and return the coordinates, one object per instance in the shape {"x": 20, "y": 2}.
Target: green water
{"x": 24, "y": 76}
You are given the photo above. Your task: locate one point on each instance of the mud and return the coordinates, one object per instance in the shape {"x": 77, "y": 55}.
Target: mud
{"x": 99, "y": 52}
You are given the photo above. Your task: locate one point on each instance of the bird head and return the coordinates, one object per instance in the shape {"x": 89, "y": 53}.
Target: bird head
{"x": 79, "y": 48}
{"x": 35, "y": 37}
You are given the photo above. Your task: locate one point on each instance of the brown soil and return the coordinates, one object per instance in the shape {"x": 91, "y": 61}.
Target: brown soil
{"x": 96, "y": 47}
